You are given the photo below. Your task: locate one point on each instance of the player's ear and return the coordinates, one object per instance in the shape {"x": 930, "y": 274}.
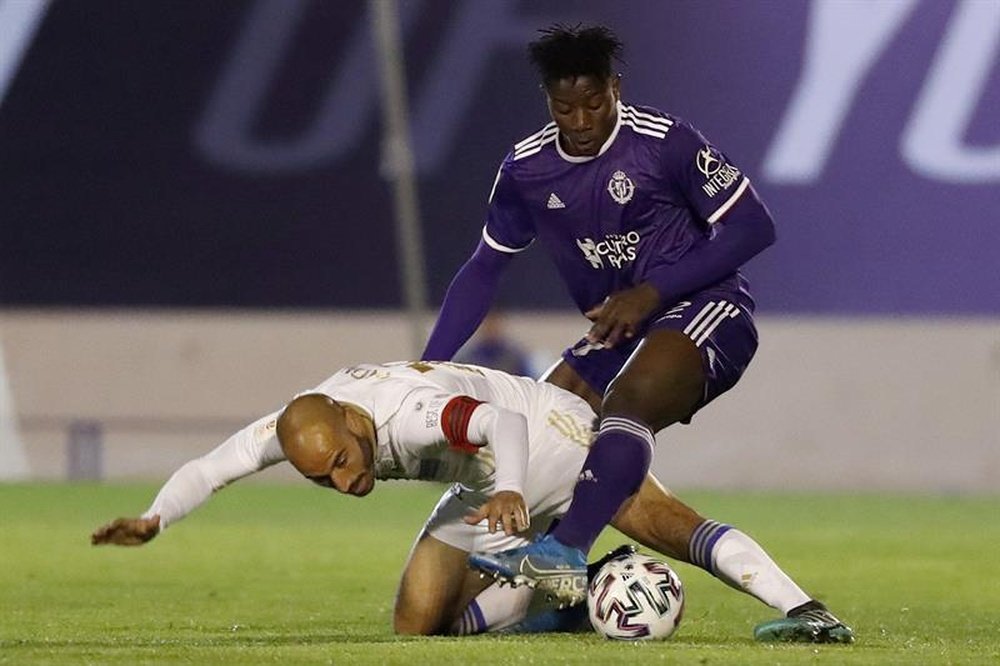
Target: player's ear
{"x": 356, "y": 422}
{"x": 616, "y": 86}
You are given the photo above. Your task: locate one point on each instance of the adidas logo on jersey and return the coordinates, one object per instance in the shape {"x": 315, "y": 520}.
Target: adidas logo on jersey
{"x": 554, "y": 202}
{"x": 587, "y": 475}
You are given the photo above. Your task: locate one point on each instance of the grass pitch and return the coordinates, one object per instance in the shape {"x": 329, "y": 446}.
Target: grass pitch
{"x": 295, "y": 574}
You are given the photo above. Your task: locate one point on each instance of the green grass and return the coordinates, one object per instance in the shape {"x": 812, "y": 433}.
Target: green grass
{"x": 294, "y": 574}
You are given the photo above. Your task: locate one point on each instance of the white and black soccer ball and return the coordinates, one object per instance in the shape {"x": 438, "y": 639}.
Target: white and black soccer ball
{"x": 635, "y": 597}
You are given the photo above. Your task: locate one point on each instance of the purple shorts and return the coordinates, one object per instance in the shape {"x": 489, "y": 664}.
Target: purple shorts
{"x": 718, "y": 321}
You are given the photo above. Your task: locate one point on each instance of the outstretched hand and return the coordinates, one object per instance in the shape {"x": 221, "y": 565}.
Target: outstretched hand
{"x": 621, "y": 314}
{"x": 506, "y": 510}
{"x": 126, "y": 531}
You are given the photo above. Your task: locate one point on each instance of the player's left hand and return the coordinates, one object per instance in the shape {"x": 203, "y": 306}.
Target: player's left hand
{"x": 621, "y": 314}
{"x": 504, "y": 510}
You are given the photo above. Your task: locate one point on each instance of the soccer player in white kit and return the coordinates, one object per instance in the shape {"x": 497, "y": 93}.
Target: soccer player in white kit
{"x": 512, "y": 450}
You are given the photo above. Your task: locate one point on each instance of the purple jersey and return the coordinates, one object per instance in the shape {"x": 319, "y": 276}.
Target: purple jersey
{"x": 652, "y": 192}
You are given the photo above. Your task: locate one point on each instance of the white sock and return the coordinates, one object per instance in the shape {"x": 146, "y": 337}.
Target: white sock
{"x": 495, "y": 608}
{"x": 739, "y": 561}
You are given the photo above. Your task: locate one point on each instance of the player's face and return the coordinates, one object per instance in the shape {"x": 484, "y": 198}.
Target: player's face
{"x": 585, "y": 109}
{"x": 343, "y": 458}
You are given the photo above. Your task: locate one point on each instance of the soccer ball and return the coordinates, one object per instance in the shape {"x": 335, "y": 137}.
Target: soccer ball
{"x": 635, "y": 597}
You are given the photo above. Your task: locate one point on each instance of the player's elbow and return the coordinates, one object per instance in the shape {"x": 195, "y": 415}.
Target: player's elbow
{"x": 764, "y": 226}
{"x": 757, "y": 232}
{"x": 487, "y": 259}
{"x": 769, "y": 234}
{"x": 752, "y": 225}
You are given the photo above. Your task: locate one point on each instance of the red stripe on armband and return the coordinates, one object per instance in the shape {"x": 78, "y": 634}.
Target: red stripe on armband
{"x": 455, "y": 419}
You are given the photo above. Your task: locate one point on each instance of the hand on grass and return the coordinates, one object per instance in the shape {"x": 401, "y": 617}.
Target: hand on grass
{"x": 127, "y": 531}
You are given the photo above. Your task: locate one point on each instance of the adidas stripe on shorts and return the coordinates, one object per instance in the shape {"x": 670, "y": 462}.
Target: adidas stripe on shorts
{"x": 718, "y": 321}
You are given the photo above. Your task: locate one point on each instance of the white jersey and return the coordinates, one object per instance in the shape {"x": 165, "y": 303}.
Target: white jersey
{"x": 414, "y": 409}
{"x": 426, "y": 429}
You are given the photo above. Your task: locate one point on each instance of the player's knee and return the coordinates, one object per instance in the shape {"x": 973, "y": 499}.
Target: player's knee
{"x": 405, "y": 627}
{"x": 659, "y": 520}
{"x": 655, "y": 400}
{"x": 415, "y": 615}
{"x": 661, "y": 384}
{"x": 413, "y": 622}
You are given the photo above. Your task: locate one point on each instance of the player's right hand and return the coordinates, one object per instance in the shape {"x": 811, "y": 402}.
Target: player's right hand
{"x": 126, "y": 531}
{"x": 505, "y": 511}
{"x": 621, "y": 315}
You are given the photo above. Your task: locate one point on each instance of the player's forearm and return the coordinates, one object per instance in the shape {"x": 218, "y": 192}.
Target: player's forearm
{"x": 247, "y": 451}
{"x": 469, "y": 298}
{"x": 507, "y": 434}
{"x": 740, "y": 235}
{"x": 187, "y": 489}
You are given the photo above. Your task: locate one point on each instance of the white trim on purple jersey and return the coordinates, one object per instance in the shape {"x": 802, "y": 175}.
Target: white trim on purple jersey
{"x": 721, "y": 210}
{"x": 579, "y": 159}
{"x": 500, "y": 247}
{"x": 536, "y": 141}
{"x": 651, "y": 193}
{"x": 644, "y": 123}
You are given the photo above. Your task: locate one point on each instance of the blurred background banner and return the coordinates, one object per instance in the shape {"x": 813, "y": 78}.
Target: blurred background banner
{"x": 197, "y": 220}
{"x": 192, "y": 154}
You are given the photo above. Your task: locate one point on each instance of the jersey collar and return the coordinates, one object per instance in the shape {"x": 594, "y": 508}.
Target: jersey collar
{"x": 604, "y": 148}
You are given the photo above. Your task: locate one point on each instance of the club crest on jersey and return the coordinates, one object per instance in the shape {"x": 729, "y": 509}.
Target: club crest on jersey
{"x": 620, "y": 187}
{"x": 719, "y": 174}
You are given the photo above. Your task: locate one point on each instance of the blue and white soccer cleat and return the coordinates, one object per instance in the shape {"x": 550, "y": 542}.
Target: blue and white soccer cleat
{"x": 575, "y": 618}
{"x": 558, "y": 570}
{"x": 809, "y": 623}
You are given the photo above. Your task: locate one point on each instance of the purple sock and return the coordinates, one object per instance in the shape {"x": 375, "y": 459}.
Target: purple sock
{"x": 614, "y": 469}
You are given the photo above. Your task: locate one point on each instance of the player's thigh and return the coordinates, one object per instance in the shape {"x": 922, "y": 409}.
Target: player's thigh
{"x": 720, "y": 327}
{"x": 435, "y": 587}
{"x": 661, "y": 383}
{"x": 658, "y": 520}
{"x": 566, "y": 377}
{"x": 586, "y": 369}
{"x": 437, "y": 584}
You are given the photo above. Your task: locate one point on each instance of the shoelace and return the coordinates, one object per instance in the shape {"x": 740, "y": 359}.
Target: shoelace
{"x": 818, "y": 616}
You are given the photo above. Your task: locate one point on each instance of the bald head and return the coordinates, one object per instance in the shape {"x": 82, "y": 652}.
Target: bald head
{"x": 306, "y": 427}
{"x": 327, "y": 443}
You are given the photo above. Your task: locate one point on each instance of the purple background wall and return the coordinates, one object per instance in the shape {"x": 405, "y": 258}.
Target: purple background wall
{"x": 227, "y": 153}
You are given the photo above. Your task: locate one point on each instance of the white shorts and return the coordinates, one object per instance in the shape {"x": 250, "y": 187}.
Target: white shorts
{"x": 560, "y": 433}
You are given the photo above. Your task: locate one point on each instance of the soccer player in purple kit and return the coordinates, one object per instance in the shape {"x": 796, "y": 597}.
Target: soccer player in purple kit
{"x": 648, "y": 224}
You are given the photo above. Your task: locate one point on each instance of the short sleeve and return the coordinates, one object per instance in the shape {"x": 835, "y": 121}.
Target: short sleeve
{"x": 508, "y": 224}
{"x": 701, "y": 173}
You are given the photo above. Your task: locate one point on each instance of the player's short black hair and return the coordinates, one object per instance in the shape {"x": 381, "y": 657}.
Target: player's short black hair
{"x": 564, "y": 52}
